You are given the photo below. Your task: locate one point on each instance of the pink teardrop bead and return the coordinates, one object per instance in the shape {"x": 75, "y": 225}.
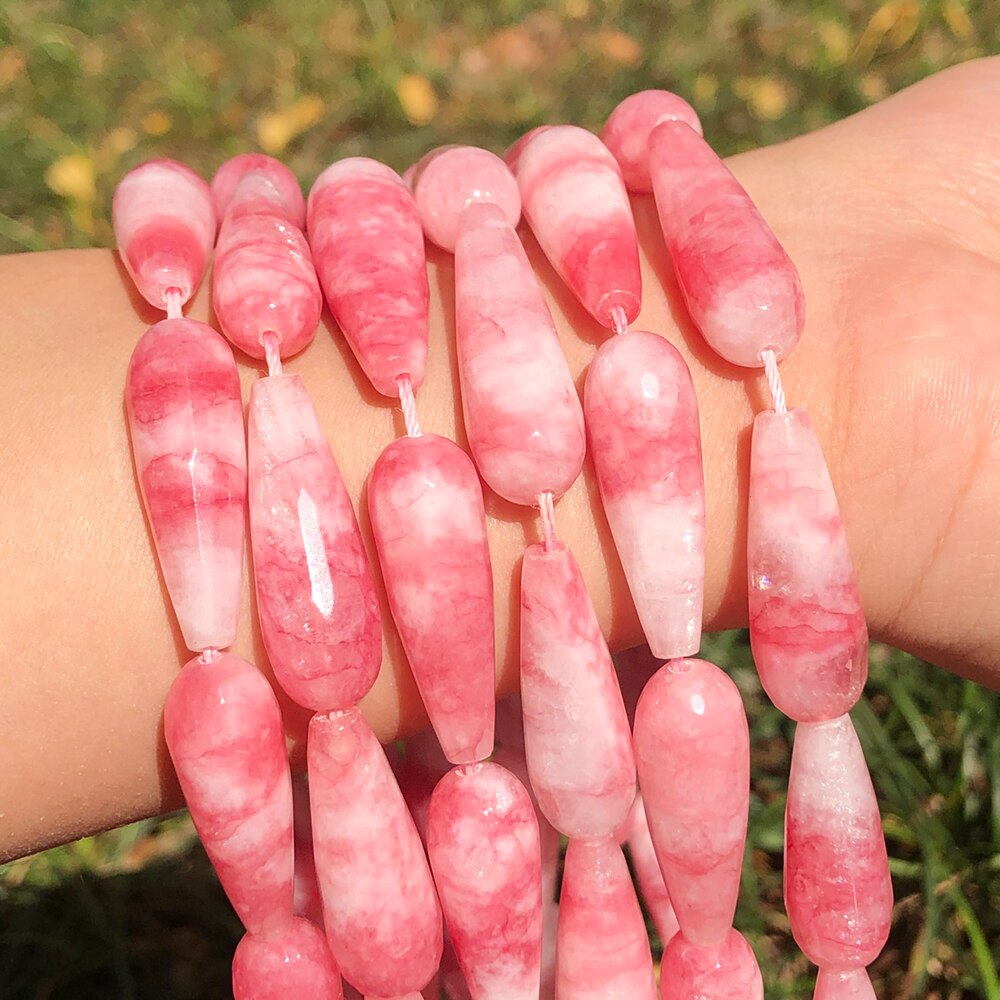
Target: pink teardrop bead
{"x": 164, "y": 227}
{"x": 647, "y": 872}
{"x": 807, "y": 627}
{"x": 728, "y": 971}
{"x": 316, "y": 601}
{"x": 576, "y": 735}
{"x": 838, "y": 892}
{"x": 426, "y": 509}
{"x": 380, "y": 909}
{"x": 228, "y": 177}
{"x": 482, "y": 839}
{"x": 522, "y": 412}
{"x": 642, "y": 418}
{"x": 576, "y": 203}
{"x": 186, "y": 422}
{"x": 294, "y": 961}
{"x": 368, "y": 249}
{"x": 225, "y": 735}
{"x": 692, "y": 750}
{"x": 603, "y": 949}
{"x": 852, "y": 984}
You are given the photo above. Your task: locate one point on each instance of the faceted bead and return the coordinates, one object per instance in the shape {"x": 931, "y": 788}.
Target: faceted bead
{"x": 728, "y": 971}
{"x": 692, "y": 750}
{"x": 576, "y": 203}
{"x": 647, "y": 872}
{"x": 186, "y": 422}
{"x": 224, "y": 731}
{"x": 642, "y": 418}
{"x": 368, "y": 249}
{"x": 838, "y": 892}
{"x": 316, "y": 602}
{"x": 522, "y": 412}
{"x": 380, "y": 909}
{"x": 807, "y": 627}
{"x": 852, "y": 984}
{"x": 577, "y": 740}
{"x": 293, "y": 961}
{"x": 164, "y": 227}
{"x": 228, "y": 177}
{"x": 603, "y": 951}
{"x": 426, "y": 509}
{"x": 626, "y": 132}
{"x": 482, "y": 839}
{"x": 741, "y": 288}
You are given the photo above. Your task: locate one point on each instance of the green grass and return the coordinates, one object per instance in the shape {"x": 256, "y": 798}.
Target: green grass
{"x": 90, "y": 88}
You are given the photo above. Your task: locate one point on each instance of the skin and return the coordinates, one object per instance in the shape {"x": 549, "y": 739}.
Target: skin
{"x": 892, "y": 217}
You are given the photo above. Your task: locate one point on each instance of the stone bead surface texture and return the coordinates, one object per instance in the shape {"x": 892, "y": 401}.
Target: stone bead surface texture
{"x": 807, "y": 627}
{"x": 853, "y": 984}
{"x": 728, "y": 971}
{"x": 316, "y": 602}
{"x": 647, "y": 873}
{"x": 642, "y": 420}
{"x": 285, "y": 184}
{"x": 294, "y": 962}
{"x": 186, "y": 422}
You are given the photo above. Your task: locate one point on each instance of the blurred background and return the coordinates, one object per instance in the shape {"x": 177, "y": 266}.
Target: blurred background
{"x": 90, "y": 88}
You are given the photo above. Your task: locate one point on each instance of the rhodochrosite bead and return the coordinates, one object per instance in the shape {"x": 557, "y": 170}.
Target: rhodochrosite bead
{"x": 838, "y": 892}
{"x": 225, "y": 735}
{"x": 482, "y": 839}
{"x": 227, "y": 178}
{"x": 642, "y": 418}
{"x": 728, "y": 971}
{"x": 692, "y": 750}
{"x": 164, "y": 227}
{"x": 603, "y": 951}
{"x": 647, "y": 872}
{"x": 426, "y": 508}
{"x": 186, "y": 422}
{"x": 368, "y": 249}
{"x": 575, "y": 201}
{"x": 291, "y": 962}
{"x": 576, "y": 736}
{"x": 807, "y": 628}
{"x": 316, "y": 600}
{"x": 852, "y": 984}
{"x": 741, "y": 288}
{"x": 380, "y": 909}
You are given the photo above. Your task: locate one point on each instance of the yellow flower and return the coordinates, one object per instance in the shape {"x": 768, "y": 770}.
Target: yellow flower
{"x": 277, "y": 129}
{"x": 417, "y": 98}
{"x": 72, "y": 177}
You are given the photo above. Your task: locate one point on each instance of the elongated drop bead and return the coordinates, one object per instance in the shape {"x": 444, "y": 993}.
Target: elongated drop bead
{"x": 642, "y": 418}
{"x": 316, "y": 601}
{"x": 294, "y": 961}
{"x": 852, "y": 984}
{"x": 692, "y": 750}
{"x": 281, "y": 180}
{"x": 727, "y": 971}
{"x": 741, "y": 288}
{"x": 807, "y": 627}
{"x": 652, "y": 888}
{"x": 186, "y": 422}
{"x": 226, "y": 739}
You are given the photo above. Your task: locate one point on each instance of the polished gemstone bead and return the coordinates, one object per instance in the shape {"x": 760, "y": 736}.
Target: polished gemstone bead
{"x": 283, "y": 182}
{"x": 224, "y": 731}
{"x": 807, "y": 627}
{"x": 652, "y": 888}
{"x": 380, "y": 909}
{"x": 852, "y": 984}
{"x": 728, "y": 971}
{"x": 642, "y": 419}
{"x": 291, "y": 962}
{"x": 577, "y": 740}
{"x": 316, "y": 602}
{"x": 692, "y": 750}
{"x": 838, "y": 893}
{"x": 426, "y": 509}
{"x": 741, "y": 288}
{"x": 305, "y": 889}
{"x": 164, "y": 227}
{"x": 575, "y": 201}
{"x": 186, "y": 422}
{"x": 368, "y": 249}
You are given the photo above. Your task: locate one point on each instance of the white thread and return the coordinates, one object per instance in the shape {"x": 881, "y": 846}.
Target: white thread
{"x": 409, "y": 405}
{"x": 619, "y": 320}
{"x": 546, "y": 505}
{"x": 271, "y": 351}
{"x": 209, "y": 655}
{"x": 173, "y": 298}
{"x": 774, "y": 381}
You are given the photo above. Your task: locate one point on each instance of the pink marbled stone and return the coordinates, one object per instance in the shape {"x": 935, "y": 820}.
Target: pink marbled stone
{"x": 316, "y": 600}
{"x": 164, "y": 226}
{"x": 575, "y": 201}
{"x": 522, "y": 413}
{"x": 292, "y": 962}
{"x": 626, "y": 132}
{"x": 482, "y": 839}
{"x": 368, "y": 248}
{"x": 853, "y": 984}
{"x": 729, "y": 971}
{"x": 228, "y": 177}
{"x": 647, "y": 872}
{"x": 426, "y": 509}
{"x": 576, "y": 736}
{"x": 742, "y": 290}
{"x": 642, "y": 420}
{"x": 807, "y": 627}
{"x": 306, "y": 900}
{"x": 224, "y": 731}
{"x": 380, "y": 909}
{"x": 692, "y": 750}
{"x": 186, "y": 422}
{"x": 838, "y": 893}
{"x": 603, "y": 951}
